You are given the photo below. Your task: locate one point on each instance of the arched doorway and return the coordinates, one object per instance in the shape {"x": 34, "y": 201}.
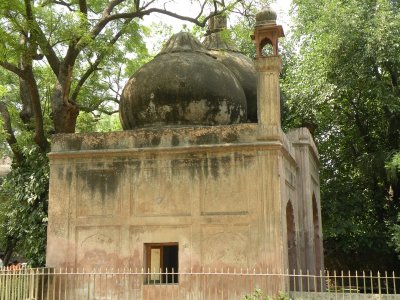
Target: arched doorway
{"x": 317, "y": 237}
{"x": 291, "y": 242}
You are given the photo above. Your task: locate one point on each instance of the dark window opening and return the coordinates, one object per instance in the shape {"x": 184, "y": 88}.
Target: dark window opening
{"x": 162, "y": 263}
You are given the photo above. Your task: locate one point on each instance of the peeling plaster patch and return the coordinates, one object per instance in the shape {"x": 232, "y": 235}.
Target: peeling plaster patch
{"x": 223, "y": 116}
{"x": 150, "y": 110}
{"x": 195, "y": 111}
{"x": 164, "y": 110}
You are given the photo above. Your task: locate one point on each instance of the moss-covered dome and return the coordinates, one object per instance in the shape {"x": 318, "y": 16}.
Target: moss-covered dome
{"x": 182, "y": 85}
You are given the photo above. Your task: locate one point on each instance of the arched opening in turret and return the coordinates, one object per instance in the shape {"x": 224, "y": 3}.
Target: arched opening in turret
{"x": 267, "y": 48}
{"x": 291, "y": 242}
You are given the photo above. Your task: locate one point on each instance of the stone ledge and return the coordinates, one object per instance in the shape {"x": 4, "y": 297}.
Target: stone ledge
{"x": 155, "y": 137}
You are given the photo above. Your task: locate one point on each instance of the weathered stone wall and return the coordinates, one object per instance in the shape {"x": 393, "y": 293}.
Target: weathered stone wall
{"x": 218, "y": 192}
{"x": 310, "y": 249}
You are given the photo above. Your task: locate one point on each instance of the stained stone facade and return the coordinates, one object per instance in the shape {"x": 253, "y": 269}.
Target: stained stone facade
{"x": 231, "y": 195}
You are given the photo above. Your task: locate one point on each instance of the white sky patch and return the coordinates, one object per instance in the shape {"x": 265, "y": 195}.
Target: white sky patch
{"x": 282, "y": 8}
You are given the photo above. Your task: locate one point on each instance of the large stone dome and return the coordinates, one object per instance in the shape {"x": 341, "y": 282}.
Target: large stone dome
{"x": 182, "y": 85}
{"x": 239, "y": 64}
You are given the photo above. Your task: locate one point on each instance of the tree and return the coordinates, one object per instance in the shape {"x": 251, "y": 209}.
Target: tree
{"x": 62, "y": 66}
{"x": 344, "y": 86}
{"x": 23, "y": 208}
{"x": 75, "y": 38}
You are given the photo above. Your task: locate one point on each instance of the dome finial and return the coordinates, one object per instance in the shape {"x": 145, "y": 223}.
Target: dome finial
{"x": 266, "y": 16}
{"x": 182, "y": 42}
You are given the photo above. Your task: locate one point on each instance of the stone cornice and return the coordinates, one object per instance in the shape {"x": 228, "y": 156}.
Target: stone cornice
{"x": 302, "y": 137}
{"x": 140, "y": 152}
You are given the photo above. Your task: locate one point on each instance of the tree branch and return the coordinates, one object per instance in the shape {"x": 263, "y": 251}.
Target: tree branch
{"x": 83, "y": 6}
{"x": 63, "y": 3}
{"x": 137, "y": 4}
{"x": 97, "y": 62}
{"x": 42, "y": 41}
{"x": 11, "y": 140}
{"x": 48, "y": 51}
{"x": 39, "y": 137}
{"x": 139, "y": 14}
{"x": 201, "y": 9}
{"x": 143, "y": 13}
{"x": 98, "y": 108}
{"x": 30, "y": 84}
{"x": 13, "y": 68}
{"x": 90, "y": 109}
{"x": 107, "y": 11}
{"x": 26, "y": 112}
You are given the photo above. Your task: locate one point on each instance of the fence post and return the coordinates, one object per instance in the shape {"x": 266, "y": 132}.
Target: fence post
{"x": 379, "y": 283}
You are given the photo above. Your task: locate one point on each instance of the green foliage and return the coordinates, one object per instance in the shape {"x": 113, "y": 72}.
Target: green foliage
{"x": 88, "y": 123}
{"x": 258, "y": 294}
{"x": 343, "y": 82}
{"x": 393, "y": 167}
{"x": 58, "y": 60}
{"x": 241, "y": 33}
{"x": 23, "y": 206}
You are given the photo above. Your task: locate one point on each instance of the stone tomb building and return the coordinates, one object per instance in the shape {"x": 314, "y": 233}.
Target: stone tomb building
{"x": 202, "y": 176}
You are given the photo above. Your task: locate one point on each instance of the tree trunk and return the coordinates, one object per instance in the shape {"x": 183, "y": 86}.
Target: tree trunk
{"x": 10, "y": 246}
{"x": 39, "y": 137}
{"x": 65, "y": 112}
{"x": 26, "y": 113}
{"x": 10, "y": 137}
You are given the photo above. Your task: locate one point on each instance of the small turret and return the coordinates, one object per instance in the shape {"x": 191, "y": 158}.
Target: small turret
{"x": 266, "y": 31}
{"x": 268, "y": 67}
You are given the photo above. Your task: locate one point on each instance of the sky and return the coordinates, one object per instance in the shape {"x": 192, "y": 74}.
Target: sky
{"x": 282, "y": 8}
{"x": 185, "y": 8}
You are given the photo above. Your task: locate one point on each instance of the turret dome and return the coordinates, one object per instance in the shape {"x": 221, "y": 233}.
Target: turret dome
{"x": 266, "y": 16}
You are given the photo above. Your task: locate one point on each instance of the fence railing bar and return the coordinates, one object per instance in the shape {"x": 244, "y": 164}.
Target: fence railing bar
{"x": 335, "y": 289}
{"x": 379, "y": 283}
{"x": 371, "y": 281}
{"x": 386, "y": 283}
